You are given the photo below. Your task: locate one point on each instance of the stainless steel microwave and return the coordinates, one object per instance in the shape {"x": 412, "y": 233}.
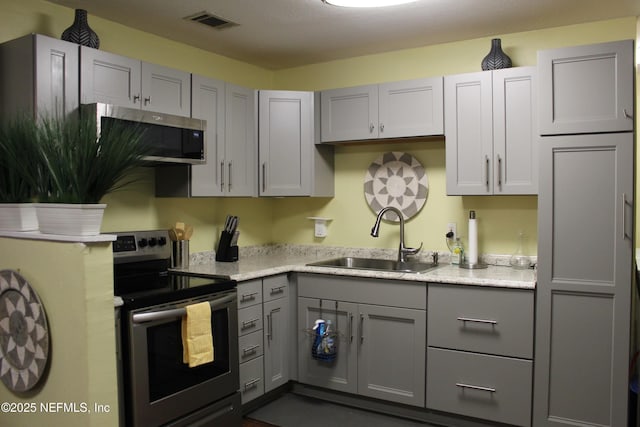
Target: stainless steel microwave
{"x": 174, "y": 139}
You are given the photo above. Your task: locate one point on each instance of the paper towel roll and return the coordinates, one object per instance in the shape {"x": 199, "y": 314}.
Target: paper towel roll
{"x": 472, "y": 250}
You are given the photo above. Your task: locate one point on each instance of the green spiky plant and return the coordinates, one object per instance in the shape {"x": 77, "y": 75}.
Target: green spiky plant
{"x": 20, "y": 163}
{"x": 78, "y": 167}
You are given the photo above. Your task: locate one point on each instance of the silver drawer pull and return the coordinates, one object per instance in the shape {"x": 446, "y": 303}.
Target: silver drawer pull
{"x": 247, "y": 297}
{"x": 249, "y": 323}
{"x": 469, "y": 319}
{"x": 277, "y": 290}
{"x": 252, "y": 383}
{"x": 476, "y": 387}
{"x": 250, "y": 350}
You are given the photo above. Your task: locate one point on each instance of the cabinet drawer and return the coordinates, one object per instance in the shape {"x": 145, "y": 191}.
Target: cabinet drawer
{"x": 250, "y": 346}
{"x": 275, "y": 287}
{"x": 485, "y": 320}
{"x": 249, "y": 293}
{"x": 249, "y": 319}
{"x": 478, "y": 385}
{"x": 251, "y": 379}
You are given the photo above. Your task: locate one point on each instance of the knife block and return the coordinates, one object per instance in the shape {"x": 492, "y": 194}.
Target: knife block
{"x": 226, "y": 252}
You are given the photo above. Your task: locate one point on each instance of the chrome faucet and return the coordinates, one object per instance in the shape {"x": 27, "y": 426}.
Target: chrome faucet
{"x": 402, "y": 250}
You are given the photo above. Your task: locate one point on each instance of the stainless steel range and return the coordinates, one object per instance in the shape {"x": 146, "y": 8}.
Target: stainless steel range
{"x": 157, "y": 388}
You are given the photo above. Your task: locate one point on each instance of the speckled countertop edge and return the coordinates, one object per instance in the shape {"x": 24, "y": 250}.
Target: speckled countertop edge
{"x": 261, "y": 261}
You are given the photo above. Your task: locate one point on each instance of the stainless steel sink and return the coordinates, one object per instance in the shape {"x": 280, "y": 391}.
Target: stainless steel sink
{"x": 376, "y": 264}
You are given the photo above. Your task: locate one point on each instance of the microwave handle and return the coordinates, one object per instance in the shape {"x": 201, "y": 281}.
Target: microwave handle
{"x": 175, "y": 313}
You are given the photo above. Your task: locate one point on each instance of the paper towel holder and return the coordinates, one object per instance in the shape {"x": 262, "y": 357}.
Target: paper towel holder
{"x": 477, "y": 265}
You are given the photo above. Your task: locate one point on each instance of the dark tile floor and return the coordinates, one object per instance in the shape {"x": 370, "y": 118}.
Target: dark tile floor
{"x": 292, "y": 410}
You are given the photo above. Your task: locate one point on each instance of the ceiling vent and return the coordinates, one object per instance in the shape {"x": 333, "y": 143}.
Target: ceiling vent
{"x": 211, "y": 20}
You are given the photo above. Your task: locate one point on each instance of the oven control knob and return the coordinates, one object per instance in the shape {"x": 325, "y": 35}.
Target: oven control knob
{"x": 142, "y": 243}
{"x": 162, "y": 241}
{"x": 152, "y": 242}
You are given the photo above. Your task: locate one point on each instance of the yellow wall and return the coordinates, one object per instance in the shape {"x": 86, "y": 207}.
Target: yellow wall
{"x": 284, "y": 220}
{"x": 75, "y": 285}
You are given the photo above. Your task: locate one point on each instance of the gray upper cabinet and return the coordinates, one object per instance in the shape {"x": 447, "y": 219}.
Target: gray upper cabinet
{"x": 490, "y": 130}
{"x": 389, "y": 110}
{"x": 241, "y": 150}
{"x": 291, "y": 164}
{"x": 208, "y": 103}
{"x": 39, "y": 75}
{"x": 587, "y": 89}
{"x": 115, "y": 79}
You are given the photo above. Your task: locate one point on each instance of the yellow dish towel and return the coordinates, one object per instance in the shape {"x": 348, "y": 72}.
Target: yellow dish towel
{"x": 197, "y": 340}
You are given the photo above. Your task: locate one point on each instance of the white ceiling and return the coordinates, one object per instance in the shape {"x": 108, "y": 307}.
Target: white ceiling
{"x": 279, "y": 34}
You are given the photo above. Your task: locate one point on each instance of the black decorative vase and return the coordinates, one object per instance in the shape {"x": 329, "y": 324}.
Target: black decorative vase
{"x": 496, "y": 58}
{"x": 80, "y": 32}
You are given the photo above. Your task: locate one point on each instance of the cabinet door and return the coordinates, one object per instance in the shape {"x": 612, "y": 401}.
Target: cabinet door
{"x": 469, "y": 133}
{"x": 276, "y": 343}
{"x": 109, "y": 78}
{"x": 349, "y": 114}
{"x": 411, "y": 108}
{"x": 585, "y": 265}
{"x": 207, "y": 96}
{"x": 515, "y": 138}
{"x": 391, "y": 354}
{"x": 166, "y": 90}
{"x": 341, "y": 373}
{"x": 285, "y": 141}
{"x": 241, "y": 150}
{"x": 57, "y": 71}
{"x": 587, "y": 89}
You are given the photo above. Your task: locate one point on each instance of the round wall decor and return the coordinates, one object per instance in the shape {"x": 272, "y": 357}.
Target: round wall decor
{"x": 24, "y": 335}
{"x": 396, "y": 179}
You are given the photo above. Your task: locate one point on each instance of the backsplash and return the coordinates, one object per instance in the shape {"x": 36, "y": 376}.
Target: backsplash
{"x": 329, "y": 252}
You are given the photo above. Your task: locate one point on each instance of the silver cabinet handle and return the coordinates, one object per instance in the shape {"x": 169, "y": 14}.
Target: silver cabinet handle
{"x": 476, "y": 387}
{"x": 248, "y": 297}
{"x": 627, "y": 115}
{"x": 230, "y": 175}
{"x": 277, "y": 290}
{"x": 249, "y": 323}
{"x": 361, "y": 328}
{"x": 250, "y": 350}
{"x": 147, "y": 100}
{"x": 264, "y": 177}
{"x": 371, "y": 127}
{"x": 470, "y": 319}
{"x": 499, "y": 171}
{"x": 269, "y": 331}
{"x": 625, "y": 203}
{"x": 486, "y": 170}
{"x": 222, "y": 175}
{"x": 381, "y": 127}
{"x": 350, "y": 327}
{"x": 251, "y": 383}
{"x": 136, "y": 98}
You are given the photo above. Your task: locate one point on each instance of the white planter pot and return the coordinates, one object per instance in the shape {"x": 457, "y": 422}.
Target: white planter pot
{"x": 18, "y": 217}
{"x": 70, "y": 219}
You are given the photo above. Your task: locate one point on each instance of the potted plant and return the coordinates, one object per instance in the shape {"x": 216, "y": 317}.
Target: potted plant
{"x": 19, "y": 165}
{"x": 79, "y": 166}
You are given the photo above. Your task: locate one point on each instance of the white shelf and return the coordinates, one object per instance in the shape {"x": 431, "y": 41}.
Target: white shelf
{"x": 36, "y": 235}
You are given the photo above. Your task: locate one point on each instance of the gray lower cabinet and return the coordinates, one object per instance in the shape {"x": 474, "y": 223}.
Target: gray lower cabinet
{"x": 263, "y": 327}
{"x": 585, "y": 272}
{"x": 381, "y": 326}
{"x": 480, "y": 350}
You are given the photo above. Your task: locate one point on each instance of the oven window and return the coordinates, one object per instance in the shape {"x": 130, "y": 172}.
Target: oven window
{"x": 167, "y": 373}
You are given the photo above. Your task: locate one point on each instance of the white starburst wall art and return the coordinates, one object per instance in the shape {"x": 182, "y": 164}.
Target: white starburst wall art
{"x": 24, "y": 335}
{"x": 396, "y": 179}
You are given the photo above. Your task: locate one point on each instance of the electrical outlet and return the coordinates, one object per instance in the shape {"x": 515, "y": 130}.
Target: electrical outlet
{"x": 451, "y": 227}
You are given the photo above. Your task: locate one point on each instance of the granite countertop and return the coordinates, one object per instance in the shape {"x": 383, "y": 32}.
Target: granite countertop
{"x": 257, "y": 262}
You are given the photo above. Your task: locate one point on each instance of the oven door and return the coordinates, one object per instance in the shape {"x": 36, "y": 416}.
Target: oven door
{"x": 160, "y": 387}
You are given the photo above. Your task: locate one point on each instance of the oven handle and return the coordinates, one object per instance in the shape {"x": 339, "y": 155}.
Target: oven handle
{"x": 176, "y": 312}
